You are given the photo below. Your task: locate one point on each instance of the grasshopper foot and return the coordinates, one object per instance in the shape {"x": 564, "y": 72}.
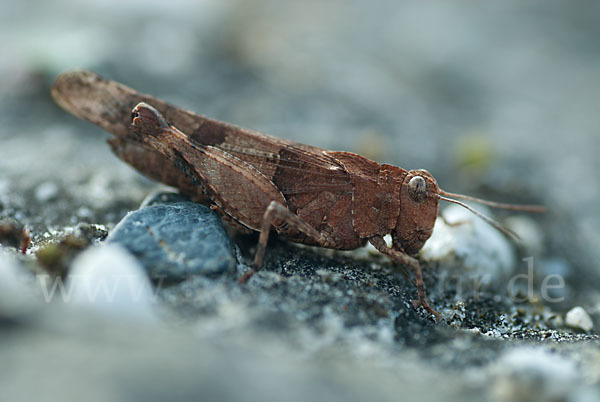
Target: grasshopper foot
{"x": 423, "y": 303}
{"x": 246, "y": 276}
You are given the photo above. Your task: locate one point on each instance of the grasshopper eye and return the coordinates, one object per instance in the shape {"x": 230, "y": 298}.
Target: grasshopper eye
{"x": 417, "y": 187}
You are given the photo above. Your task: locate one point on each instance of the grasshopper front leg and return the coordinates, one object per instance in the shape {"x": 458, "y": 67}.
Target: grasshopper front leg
{"x": 379, "y": 243}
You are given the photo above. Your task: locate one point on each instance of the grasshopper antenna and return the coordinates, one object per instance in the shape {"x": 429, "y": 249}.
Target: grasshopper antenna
{"x": 489, "y": 220}
{"x": 514, "y": 207}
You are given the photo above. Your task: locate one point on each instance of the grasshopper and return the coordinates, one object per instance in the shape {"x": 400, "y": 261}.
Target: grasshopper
{"x": 257, "y": 183}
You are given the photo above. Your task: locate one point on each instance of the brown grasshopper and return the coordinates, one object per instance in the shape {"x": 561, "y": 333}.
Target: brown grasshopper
{"x": 309, "y": 195}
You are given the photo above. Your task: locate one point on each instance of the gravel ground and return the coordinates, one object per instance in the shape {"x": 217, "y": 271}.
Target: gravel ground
{"x": 496, "y": 100}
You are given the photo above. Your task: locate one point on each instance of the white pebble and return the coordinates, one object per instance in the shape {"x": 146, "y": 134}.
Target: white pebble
{"x": 110, "y": 280}
{"x": 17, "y": 294}
{"x": 471, "y": 247}
{"x": 474, "y": 331}
{"x": 578, "y": 318}
{"x": 46, "y": 191}
{"x": 530, "y": 234}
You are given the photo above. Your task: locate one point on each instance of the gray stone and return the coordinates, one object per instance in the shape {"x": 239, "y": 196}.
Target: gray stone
{"x": 176, "y": 240}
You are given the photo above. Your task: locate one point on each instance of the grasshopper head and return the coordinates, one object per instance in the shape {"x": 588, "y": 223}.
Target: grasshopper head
{"x": 418, "y": 209}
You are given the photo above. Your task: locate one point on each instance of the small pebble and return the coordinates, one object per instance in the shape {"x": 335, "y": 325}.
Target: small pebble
{"x": 176, "y": 240}
{"x": 474, "y": 331}
{"x": 529, "y": 232}
{"x": 46, "y": 191}
{"x": 84, "y": 212}
{"x": 578, "y": 318}
{"x": 109, "y": 280}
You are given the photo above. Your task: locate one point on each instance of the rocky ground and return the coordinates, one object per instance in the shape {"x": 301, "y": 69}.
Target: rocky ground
{"x": 497, "y": 101}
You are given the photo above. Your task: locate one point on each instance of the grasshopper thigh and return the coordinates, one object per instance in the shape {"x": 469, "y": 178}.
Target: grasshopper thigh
{"x": 235, "y": 186}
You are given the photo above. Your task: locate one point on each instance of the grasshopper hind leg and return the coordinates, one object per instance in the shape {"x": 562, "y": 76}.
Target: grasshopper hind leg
{"x": 278, "y": 216}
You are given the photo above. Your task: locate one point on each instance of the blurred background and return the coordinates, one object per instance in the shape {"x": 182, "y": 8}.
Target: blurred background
{"x": 498, "y": 99}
